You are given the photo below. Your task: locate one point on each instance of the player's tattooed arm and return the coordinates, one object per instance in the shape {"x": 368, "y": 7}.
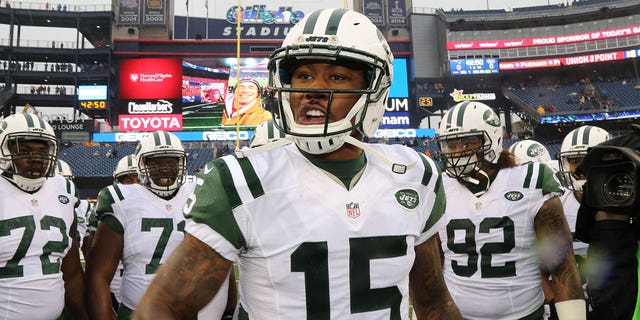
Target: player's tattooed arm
{"x": 555, "y": 246}
{"x": 185, "y": 283}
{"x": 429, "y": 293}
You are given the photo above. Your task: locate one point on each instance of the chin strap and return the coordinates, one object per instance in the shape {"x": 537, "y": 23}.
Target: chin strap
{"x": 398, "y": 168}
{"x": 245, "y": 152}
{"x": 485, "y": 179}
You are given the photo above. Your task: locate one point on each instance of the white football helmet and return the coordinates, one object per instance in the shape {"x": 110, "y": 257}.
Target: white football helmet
{"x": 264, "y": 133}
{"x": 527, "y": 151}
{"x": 126, "y": 165}
{"x": 27, "y": 126}
{"x": 160, "y": 144}
{"x": 332, "y": 36}
{"x": 464, "y": 120}
{"x": 64, "y": 169}
{"x": 574, "y": 148}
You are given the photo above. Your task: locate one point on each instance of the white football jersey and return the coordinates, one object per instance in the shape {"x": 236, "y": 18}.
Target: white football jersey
{"x": 490, "y": 266}
{"x": 36, "y": 231}
{"x": 305, "y": 245}
{"x": 571, "y": 205}
{"x": 82, "y": 214}
{"x": 153, "y": 227}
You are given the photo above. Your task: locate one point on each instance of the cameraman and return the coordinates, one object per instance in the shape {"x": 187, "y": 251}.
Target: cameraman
{"x": 607, "y": 220}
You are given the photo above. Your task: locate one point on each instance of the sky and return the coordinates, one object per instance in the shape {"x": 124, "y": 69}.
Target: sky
{"x": 196, "y": 10}
{"x": 197, "y": 6}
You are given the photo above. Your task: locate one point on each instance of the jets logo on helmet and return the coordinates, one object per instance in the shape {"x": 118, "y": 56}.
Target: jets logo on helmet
{"x": 574, "y": 148}
{"x": 328, "y": 36}
{"x": 27, "y": 127}
{"x": 527, "y": 151}
{"x": 491, "y": 118}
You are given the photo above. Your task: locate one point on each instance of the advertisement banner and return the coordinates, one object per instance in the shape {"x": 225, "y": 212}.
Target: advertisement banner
{"x": 373, "y": 9}
{"x": 128, "y": 12}
{"x": 151, "y": 78}
{"x": 150, "y": 122}
{"x": 397, "y": 13}
{"x": 71, "y": 125}
{"x": 155, "y": 12}
{"x": 544, "y": 41}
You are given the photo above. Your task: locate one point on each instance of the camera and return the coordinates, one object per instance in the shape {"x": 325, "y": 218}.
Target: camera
{"x": 612, "y": 171}
{"x": 612, "y": 178}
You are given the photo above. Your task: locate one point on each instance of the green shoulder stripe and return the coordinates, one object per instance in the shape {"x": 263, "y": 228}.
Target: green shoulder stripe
{"x": 547, "y": 181}
{"x": 428, "y": 173}
{"x": 438, "y": 207}
{"x": 527, "y": 179}
{"x": 106, "y": 201}
{"x": 441, "y": 200}
{"x": 213, "y": 200}
{"x": 227, "y": 183}
{"x": 253, "y": 182}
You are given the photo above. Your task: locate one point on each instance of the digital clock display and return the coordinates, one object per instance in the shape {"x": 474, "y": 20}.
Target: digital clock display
{"x": 93, "y": 104}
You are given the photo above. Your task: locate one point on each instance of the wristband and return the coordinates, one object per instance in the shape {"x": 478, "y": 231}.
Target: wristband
{"x": 571, "y": 309}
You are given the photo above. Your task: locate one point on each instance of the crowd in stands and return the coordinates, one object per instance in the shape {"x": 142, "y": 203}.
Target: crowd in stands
{"x": 95, "y": 159}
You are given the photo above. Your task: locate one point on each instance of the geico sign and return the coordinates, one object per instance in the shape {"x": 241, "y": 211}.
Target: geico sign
{"x": 169, "y": 122}
{"x": 396, "y": 133}
{"x": 130, "y": 136}
{"x": 225, "y": 135}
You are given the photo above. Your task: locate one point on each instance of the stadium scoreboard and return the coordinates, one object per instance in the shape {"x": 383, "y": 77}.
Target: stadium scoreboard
{"x": 474, "y": 66}
{"x": 92, "y": 97}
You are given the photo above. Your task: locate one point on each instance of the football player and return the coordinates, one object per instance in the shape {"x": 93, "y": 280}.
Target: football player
{"x": 264, "y": 133}
{"x": 126, "y": 172}
{"x": 573, "y": 149}
{"x": 503, "y": 224}
{"x": 527, "y": 151}
{"x": 40, "y": 269}
{"x": 141, "y": 224}
{"x": 327, "y": 227}
{"x": 82, "y": 211}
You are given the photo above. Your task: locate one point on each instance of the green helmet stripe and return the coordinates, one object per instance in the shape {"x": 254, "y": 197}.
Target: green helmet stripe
{"x": 311, "y": 23}
{"x": 585, "y": 135}
{"x": 574, "y": 137}
{"x": 460, "y": 118}
{"x": 129, "y": 160}
{"x": 449, "y": 119}
{"x": 270, "y": 131}
{"x": 334, "y": 21}
{"x": 167, "y": 137}
{"x": 156, "y": 138}
{"x": 41, "y": 122}
{"x": 29, "y": 119}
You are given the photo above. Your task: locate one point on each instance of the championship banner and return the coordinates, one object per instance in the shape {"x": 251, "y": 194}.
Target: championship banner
{"x": 128, "y": 12}
{"x": 155, "y": 12}
{"x": 373, "y": 9}
{"x": 397, "y": 13}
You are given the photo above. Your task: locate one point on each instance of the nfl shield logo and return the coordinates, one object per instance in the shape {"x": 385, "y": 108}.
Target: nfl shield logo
{"x": 168, "y": 207}
{"x": 353, "y": 210}
{"x": 34, "y": 202}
